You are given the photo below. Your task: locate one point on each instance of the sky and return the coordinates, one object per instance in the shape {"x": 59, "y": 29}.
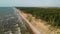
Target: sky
{"x": 30, "y": 3}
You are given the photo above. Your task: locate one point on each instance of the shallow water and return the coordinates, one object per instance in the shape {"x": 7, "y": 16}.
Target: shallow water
{"x": 11, "y": 22}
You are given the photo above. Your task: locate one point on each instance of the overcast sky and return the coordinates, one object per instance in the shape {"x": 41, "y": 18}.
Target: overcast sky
{"x": 30, "y": 3}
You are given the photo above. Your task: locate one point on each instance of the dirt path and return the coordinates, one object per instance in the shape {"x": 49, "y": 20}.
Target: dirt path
{"x": 41, "y": 25}
{"x": 29, "y": 24}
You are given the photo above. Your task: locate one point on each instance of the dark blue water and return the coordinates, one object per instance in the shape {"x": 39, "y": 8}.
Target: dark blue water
{"x": 6, "y": 11}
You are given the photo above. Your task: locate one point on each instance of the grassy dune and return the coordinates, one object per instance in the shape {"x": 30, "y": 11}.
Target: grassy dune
{"x": 51, "y": 15}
